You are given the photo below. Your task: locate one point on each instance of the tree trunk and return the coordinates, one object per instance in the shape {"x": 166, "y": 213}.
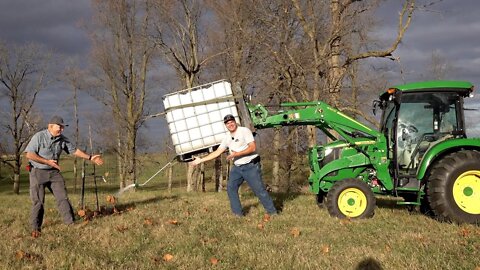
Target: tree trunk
{"x": 131, "y": 158}
{"x": 120, "y": 168}
{"x": 190, "y": 173}
{"x": 202, "y": 177}
{"x": 16, "y": 173}
{"x": 170, "y": 174}
{"x": 77, "y": 134}
{"x": 16, "y": 183}
{"x": 221, "y": 176}
{"x": 218, "y": 174}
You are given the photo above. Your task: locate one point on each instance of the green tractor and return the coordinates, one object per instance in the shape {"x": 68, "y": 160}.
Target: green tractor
{"x": 421, "y": 152}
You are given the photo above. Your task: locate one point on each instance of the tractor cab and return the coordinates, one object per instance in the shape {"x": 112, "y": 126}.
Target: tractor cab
{"x": 416, "y": 117}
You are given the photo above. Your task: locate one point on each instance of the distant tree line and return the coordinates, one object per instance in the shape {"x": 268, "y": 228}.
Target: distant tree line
{"x": 276, "y": 50}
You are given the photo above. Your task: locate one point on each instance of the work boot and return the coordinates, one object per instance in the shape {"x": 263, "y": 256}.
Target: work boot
{"x": 36, "y": 233}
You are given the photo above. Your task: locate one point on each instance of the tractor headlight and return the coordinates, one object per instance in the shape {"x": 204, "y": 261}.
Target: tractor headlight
{"x": 328, "y": 151}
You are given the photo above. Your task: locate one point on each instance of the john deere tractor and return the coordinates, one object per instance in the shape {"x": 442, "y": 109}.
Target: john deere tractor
{"x": 421, "y": 152}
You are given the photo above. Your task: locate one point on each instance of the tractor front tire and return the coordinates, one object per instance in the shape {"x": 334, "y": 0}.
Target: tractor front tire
{"x": 351, "y": 198}
{"x": 453, "y": 188}
{"x": 321, "y": 198}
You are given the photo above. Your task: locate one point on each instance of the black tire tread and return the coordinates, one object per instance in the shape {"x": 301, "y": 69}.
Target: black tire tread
{"x": 338, "y": 187}
{"x": 438, "y": 192}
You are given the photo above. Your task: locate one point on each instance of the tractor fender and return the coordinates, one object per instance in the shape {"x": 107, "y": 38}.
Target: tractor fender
{"x": 443, "y": 148}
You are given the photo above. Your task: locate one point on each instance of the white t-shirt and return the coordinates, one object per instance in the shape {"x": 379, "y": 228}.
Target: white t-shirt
{"x": 238, "y": 141}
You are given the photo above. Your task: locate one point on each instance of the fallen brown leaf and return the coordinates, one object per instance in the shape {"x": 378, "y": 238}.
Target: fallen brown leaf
{"x": 214, "y": 260}
{"x": 173, "y": 222}
{"x": 111, "y": 199}
{"x": 205, "y": 241}
{"x": 81, "y": 213}
{"x": 121, "y": 228}
{"x": 325, "y": 249}
{"x": 89, "y": 215}
{"x": 20, "y": 254}
{"x": 167, "y": 257}
{"x": 295, "y": 232}
{"x": 261, "y": 226}
{"x": 266, "y": 218}
{"x": 148, "y": 221}
{"x": 345, "y": 221}
{"x": 465, "y": 232}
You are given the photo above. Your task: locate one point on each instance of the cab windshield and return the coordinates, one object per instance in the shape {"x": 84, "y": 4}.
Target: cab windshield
{"x": 421, "y": 119}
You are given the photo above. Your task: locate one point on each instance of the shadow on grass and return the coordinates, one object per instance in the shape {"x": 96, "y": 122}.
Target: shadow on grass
{"x": 149, "y": 201}
{"x": 369, "y": 264}
{"x": 389, "y": 203}
{"x": 279, "y": 200}
{"x": 117, "y": 208}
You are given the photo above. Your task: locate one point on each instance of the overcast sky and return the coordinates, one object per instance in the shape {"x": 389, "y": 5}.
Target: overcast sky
{"x": 450, "y": 28}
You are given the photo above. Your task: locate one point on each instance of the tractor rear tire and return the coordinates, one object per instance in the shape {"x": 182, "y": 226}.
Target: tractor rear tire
{"x": 425, "y": 207}
{"x": 351, "y": 198}
{"x": 453, "y": 188}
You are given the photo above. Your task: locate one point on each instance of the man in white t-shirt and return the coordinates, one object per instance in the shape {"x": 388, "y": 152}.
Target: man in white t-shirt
{"x": 242, "y": 150}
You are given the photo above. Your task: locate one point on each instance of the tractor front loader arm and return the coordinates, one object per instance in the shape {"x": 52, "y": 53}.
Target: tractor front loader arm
{"x": 370, "y": 149}
{"x": 318, "y": 114}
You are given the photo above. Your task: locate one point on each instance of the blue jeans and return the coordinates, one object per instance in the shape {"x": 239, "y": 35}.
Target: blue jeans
{"x": 251, "y": 173}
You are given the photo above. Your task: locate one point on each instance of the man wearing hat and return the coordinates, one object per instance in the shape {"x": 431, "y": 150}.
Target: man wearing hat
{"x": 242, "y": 150}
{"x": 43, "y": 152}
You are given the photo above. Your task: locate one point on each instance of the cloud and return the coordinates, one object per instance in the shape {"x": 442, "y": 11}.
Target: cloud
{"x": 449, "y": 28}
{"x": 54, "y": 23}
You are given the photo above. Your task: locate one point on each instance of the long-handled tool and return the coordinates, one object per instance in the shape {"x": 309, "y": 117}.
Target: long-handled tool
{"x": 173, "y": 161}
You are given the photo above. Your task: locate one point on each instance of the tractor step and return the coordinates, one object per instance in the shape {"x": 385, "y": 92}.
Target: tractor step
{"x": 408, "y": 189}
{"x": 408, "y": 203}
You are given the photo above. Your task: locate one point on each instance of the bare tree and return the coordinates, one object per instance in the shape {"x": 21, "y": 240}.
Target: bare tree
{"x": 180, "y": 33}
{"x": 302, "y": 50}
{"x": 255, "y": 34}
{"x": 123, "y": 53}
{"x": 344, "y": 42}
{"x": 73, "y": 77}
{"x": 23, "y": 72}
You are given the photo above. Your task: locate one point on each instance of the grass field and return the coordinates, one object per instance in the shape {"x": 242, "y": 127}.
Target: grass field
{"x": 152, "y": 228}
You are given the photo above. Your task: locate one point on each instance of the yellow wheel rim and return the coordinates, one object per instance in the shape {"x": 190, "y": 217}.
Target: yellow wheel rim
{"x": 466, "y": 192}
{"x": 352, "y": 202}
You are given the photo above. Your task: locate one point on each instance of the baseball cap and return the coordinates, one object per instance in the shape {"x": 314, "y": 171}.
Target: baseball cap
{"x": 227, "y": 118}
{"x": 57, "y": 120}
